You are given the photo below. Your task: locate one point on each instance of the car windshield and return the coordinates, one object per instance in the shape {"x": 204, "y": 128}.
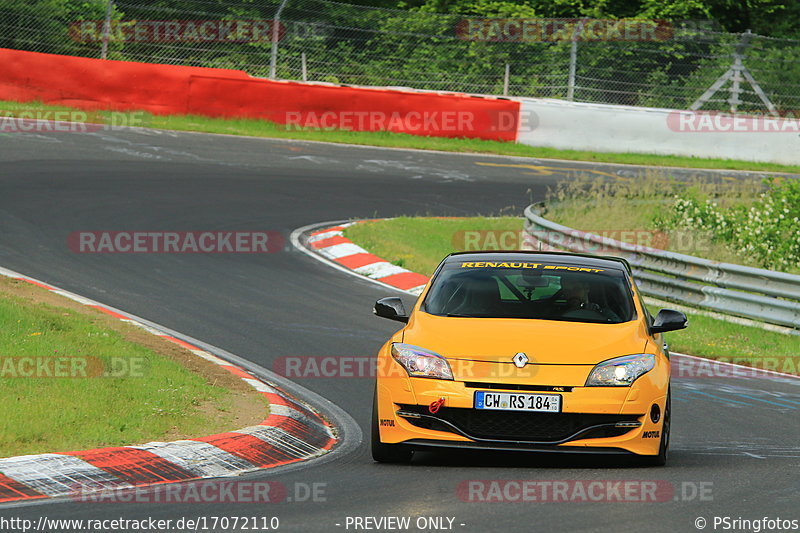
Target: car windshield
{"x": 498, "y": 289}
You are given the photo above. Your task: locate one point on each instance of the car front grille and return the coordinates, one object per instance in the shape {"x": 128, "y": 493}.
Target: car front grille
{"x": 521, "y": 426}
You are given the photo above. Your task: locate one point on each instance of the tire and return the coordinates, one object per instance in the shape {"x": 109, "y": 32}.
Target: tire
{"x": 663, "y": 448}
{"x": 386, "y": 453}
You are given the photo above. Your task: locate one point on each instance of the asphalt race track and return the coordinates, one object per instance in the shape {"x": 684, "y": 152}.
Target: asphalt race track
{"x": 738, "y": 438}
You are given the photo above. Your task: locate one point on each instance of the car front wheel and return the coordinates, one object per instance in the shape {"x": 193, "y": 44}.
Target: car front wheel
{"x": 386, "y": 453}
{"x": 663, "y": 448}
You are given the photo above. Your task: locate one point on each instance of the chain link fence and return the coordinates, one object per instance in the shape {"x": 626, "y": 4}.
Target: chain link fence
{"x": 320, "y": 40}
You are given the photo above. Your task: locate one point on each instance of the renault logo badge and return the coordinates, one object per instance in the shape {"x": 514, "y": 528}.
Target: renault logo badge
{"x": 520, "y": 360}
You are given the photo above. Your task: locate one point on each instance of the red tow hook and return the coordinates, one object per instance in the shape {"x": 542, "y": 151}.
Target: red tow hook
{"x": 434, "y": 406}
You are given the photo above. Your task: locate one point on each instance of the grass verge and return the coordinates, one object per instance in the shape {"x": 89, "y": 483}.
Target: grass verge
{"x": 717, "y": 339}
{"x": 419, "y": 244}
{"x": 117, "y": 384}
{"x": 262, "y": 128}
{"x": 597, "y": 208}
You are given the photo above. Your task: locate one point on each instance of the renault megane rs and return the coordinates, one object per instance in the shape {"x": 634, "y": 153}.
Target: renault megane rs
{"x": 541, "y": 351}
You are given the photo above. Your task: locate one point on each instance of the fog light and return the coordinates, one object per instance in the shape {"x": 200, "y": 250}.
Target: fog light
{"x": 655, "y": 413}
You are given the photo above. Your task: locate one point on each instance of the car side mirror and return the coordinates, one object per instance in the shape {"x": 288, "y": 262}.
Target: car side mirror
{"x": 669, "y": 320}
{"x": 391, "y": 308}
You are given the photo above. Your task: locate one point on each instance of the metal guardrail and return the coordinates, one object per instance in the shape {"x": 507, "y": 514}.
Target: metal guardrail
{"x": 754, "y": 293}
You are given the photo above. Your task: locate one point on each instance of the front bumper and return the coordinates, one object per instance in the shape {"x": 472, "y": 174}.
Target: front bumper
{"x": 592, "y": 419}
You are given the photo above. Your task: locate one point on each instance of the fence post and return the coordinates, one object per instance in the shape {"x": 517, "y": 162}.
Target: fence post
{"x": 276, "y": 23}
{"x": 573, "y": 60}
{"x": 304, "y": 66}
{"x": 106, "y": 30}
{"x": 505, "y": 79}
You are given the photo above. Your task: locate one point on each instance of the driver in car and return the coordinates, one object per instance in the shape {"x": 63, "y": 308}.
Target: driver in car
{"x": 576, "y": 293}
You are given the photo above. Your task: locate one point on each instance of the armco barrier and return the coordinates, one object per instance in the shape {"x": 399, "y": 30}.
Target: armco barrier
{"x": 763, "y": 295}
{"x": 609, "y": 128}
{"x": 167, "y": 89}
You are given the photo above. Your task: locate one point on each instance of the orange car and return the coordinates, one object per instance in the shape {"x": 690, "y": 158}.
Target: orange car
{"x": 542, "y": 351}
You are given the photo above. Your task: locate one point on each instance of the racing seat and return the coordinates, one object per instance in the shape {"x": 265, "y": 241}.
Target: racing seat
{"x": 482, "y": 298}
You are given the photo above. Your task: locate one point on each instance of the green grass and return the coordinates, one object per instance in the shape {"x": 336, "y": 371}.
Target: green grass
{"x": 51, "y": 414}
{"x": 717, "y": 339}
{"x": 419, "y": 244}
{"x": 262, "y": 128}
{"x": 613, "y": 218}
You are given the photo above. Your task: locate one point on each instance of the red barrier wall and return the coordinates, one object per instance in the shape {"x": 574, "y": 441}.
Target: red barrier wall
{"x": 166, "y": 89}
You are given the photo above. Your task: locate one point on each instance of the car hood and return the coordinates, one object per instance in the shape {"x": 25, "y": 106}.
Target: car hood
{"x": 543, "y": 341}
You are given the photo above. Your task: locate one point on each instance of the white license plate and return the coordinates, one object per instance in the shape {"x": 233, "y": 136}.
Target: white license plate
{"x": 517, "y": 401}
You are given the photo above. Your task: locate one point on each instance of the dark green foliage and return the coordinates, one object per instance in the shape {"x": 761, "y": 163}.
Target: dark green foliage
{"x": 417, "y": 43}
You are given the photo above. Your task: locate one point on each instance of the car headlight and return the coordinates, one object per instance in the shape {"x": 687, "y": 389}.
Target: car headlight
{"x": 621, "y": 371}
{"x": 421, "y": 363}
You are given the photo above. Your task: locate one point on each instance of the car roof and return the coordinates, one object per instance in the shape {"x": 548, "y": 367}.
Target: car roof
{"x": 560, "y": 258}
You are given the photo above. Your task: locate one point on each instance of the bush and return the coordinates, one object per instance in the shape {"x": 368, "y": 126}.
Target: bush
{"x": 767, "y": 231}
